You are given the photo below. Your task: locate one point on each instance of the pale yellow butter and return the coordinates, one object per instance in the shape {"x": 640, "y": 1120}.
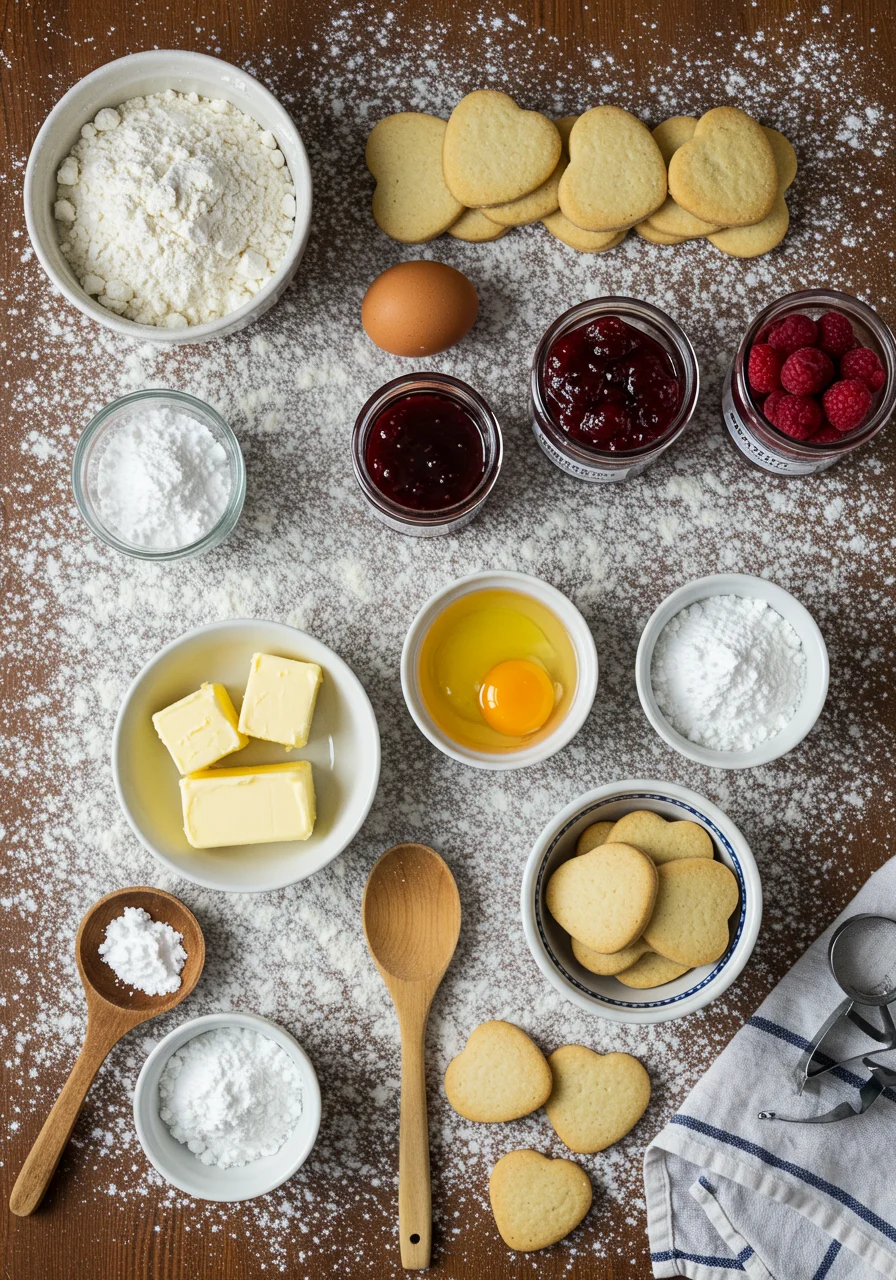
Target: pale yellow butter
{"x": 254, "y": 805}
{"x": 279, "y": 700}
{"x": 200, "y": 728}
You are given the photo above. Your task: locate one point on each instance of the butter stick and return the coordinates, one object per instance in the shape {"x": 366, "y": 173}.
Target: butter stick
{"x": 253, "y": 805}
{"x": 200, "y": 728}
{"x": 278, "y": 704}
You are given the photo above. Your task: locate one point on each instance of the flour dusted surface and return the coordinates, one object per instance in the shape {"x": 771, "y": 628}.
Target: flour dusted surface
{"x": 306, "y": 552}
{"x": 174, "y": 209}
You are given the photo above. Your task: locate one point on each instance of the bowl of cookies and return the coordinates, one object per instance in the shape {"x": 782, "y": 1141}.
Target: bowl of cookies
{"x": 641, "y": 901}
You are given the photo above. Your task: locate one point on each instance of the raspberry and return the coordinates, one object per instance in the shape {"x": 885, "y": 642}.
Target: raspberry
{"x": 827, "y": 435}
{"x": 864, "y": 364}
{"x": 806, "y": 372}
{"x": 764, "y": 368}
{"x": 835, "y": 334}
{"x": 798, "y": 416}
{"x": 846, "y": 404}
{"x": 792, "y": 333}
{"x": 770, "y": 408}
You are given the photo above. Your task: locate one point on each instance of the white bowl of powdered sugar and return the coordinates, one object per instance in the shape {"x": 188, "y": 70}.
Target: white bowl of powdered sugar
{"x": 168, "y": 196}
{"x": 732, "y": 671}
{"x": 227, "y": 1107}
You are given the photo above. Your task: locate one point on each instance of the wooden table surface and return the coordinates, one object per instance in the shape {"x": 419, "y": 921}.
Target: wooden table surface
{"x": 47, "y": 47}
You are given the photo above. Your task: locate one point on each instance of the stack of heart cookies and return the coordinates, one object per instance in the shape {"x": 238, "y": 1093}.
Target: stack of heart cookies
{"x": 591, "y": 1099}
{"x": 644, "y": 900}
{"x": 589, "y": 179}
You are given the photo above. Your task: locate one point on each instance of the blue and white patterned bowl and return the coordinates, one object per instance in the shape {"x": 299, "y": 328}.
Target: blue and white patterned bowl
{"x": 551, "y": 947}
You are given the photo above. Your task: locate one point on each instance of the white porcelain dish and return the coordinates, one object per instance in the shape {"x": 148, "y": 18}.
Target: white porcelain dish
{"x": 178, "y": 1165}
{"x": 582, "y": 642}
{"x": 344, "y": 750}
{"x": 134, "y": 76}
{"x": 817, "y": 668}
{"x": 550, "y": 945}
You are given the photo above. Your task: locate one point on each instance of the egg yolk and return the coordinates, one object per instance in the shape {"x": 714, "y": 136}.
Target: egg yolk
{"x": 516, "y": 697}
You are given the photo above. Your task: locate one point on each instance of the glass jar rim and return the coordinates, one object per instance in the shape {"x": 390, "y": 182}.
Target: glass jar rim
{"x": 225, "y": 523}
{"x": 634, "y": 309}
{"x": 789, "y": 303}
{"x": 418, "y": 383}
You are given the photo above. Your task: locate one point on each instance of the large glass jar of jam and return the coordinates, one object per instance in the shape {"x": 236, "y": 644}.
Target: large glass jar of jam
{"x": 426, "y": 452}
{"x": 614, "y": 383}
{"x": 745, "y": 410}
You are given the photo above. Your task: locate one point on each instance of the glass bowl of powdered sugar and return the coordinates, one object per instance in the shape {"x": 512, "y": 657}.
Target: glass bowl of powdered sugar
{"x": 732, "y": 671}
{"x": 159, "y": 475}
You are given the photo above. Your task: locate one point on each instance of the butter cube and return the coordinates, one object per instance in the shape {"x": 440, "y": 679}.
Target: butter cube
{"x": 200, "y": 729}
{"x": 253, "y": 805}
{"x": 279, "y": 700}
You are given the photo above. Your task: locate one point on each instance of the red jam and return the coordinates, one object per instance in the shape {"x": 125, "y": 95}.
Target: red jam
{"x": 425, "y": 453}
{"x": 610, "y": 386}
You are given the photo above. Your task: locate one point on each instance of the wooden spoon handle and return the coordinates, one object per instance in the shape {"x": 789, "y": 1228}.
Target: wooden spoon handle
{"x": 44, "y": 1156}
{"x": 414, "y": 1191}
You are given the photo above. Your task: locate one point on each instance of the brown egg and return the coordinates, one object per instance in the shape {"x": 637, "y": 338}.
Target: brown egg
{"x": 419, "y": 308}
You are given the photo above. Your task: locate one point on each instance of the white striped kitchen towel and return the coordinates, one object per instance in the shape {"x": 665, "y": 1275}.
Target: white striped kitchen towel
{"x": 728, "y": 1193}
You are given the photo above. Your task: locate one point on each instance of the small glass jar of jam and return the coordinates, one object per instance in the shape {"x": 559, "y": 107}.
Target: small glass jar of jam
{"x": 614, "y": 383}
{"x": 744, "y": 409}
{"x": 426, "y": 451}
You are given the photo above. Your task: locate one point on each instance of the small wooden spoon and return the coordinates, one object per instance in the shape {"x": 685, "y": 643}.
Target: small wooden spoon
{"x": 411, "y": 913}
{"x": 111, "y": 1011}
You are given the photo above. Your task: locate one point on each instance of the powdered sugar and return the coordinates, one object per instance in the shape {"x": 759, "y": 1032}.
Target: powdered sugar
{"x": 145, "y": 954}
{"x": 306, "y": 552}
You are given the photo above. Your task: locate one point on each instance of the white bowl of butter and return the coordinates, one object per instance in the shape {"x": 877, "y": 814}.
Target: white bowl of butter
{"x": 343, "y": 750}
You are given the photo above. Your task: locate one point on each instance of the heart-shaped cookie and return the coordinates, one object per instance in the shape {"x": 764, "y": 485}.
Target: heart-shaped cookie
{"x": 574, "y": 237}
{"x": 411, "y": 202}
{"x": 670, "y": 219}
{"x": 616, "y": 175}
{"x": 662, "y": 841}
{"x": 750, "y": 242}
{"x": 651, "y": 970}
{"x": 537, "y": 1201}
{"x": 500, "y": 1075}
{"x": 495, "y": 152}
{"x": 605, "y": 897}
{"x": 544, "y": 199}
{"x": 474, "y": 227}
{"x": 597, "y": 834}
{"x": 597, "y": 1097}
{"x": 647, "y": 232}
{"x": 606, "y": 965}
{"x": 726, "y": 174}
{"x": 690, "y": 920}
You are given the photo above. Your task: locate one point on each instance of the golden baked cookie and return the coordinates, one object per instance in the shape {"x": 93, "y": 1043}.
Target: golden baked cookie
{"x": 606, "y": 965}
{"x": 597, "y": 1097}
{"x": 651, "y": 971}
{"x": 661, "y": 840}
{"x": 537, "y": 1201}
{"x": 500, "y": 1075}
{"x": 544, "y": 199}
{"x": 750, "y": 242}
{"x": 670, "y": 219}
{"x": 726, "y": 173}
{"x": 616, "y": 176}
{"x": 690, "y": 920}
{"x": 474, "y": 227}
{"x": 411, "y": 202}
{"x": 495, "y": 152}
{"x": 604, "y": 898}
{"x": 647, "y": 232}
{"x": 574, "y": 237}
{"x": 598, "y": 833}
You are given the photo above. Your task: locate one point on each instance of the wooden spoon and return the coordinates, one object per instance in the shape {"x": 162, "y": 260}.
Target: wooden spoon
{"x": 111, "y": 1011}
{"x": 411, "y": 913}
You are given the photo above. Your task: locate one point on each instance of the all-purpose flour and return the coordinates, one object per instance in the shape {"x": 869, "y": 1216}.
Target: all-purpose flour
{"x": 174, "y": 209}
{"x": 728, "y": 672}
{"x": 143, "y": 953}
{"x": 231, "y": 1095}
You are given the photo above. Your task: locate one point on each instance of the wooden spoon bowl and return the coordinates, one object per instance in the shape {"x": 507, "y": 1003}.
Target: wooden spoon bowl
{"x": 112, "y": 1010}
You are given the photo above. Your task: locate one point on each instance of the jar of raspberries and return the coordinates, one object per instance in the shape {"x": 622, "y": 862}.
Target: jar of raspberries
{"x": 813, "y": 379}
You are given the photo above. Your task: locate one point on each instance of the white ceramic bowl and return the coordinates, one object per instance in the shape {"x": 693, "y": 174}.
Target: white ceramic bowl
{"x": 178, "y": 1165}
{"x": 134, "y": 76}
{"x": 344, "y": 750}
{"x": 582, "y": 642}
{"x": 817, "y": 668}
{"x": 551, "y": 947}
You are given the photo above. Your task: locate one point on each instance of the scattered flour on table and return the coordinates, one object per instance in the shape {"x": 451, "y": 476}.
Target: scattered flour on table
{"x": 232, "y": 1095}
{"x": 144, "y": 954}
{"x": 306, "y": 552}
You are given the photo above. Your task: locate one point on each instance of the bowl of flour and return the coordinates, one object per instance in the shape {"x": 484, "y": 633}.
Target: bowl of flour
{"x": 732, "y": 671}
{"x": 168, "y": 197}
{"x": 227, "y": 1106}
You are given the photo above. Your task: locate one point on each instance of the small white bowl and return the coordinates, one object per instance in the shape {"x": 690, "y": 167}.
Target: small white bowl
{"x": 344, "y": 750}
{"x": 176, "y": 1162}
{"x": 815, "y": 690}
{"x": 139, "y": 74}
{"x": 551, "y": 947}
{"x": 580, "y": 637}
